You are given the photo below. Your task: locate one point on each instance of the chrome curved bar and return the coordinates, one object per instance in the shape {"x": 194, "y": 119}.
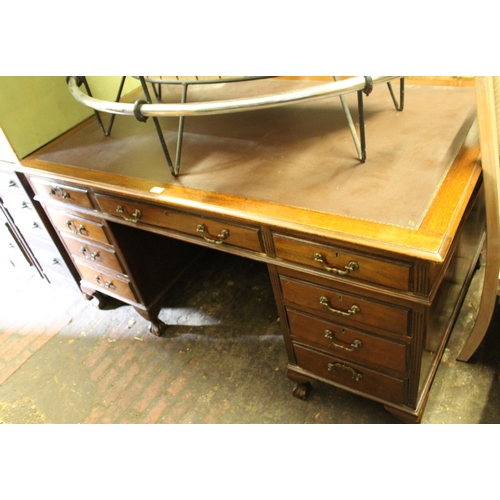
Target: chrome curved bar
{"x": 331, "y": 89}
{"x": 143, "y": 109}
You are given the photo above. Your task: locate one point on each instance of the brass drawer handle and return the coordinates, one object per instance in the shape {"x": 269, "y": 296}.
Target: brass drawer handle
{"x": 135, "y": 216}
{"x": 352, "y": 266}
{"x": 57, "y": 191}
{"x": 355, "y": 375}
{"x": 355, "y": 344}
{"x": 76, "y": 230}
{"x": 92, "y": 256}
{"x": 107, "y": 284}
{"x": 223, "y": 235}
{"x": 354, "y": 309}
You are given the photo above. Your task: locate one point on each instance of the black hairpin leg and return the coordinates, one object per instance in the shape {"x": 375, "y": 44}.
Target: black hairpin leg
{"x": 350, "y": 122}
{"x": 83, "y": 79}
{"x": 361, "y": 142}
{"x": 399, "y": 106}
{"x": 180, "y": 132}
{"x": 140, "y": 117}
{"x": 157, "y": 90}
{"x": 367, "y": 91}
{"x": 361, "y": 114}
{"x": 174, "y": 168}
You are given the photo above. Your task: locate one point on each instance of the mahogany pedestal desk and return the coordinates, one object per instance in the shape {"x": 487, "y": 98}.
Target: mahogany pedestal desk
{"x": 369, "y": 262}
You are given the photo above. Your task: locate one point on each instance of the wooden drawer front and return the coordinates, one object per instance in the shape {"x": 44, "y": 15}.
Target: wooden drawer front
{"x": 350, "y": 375}
{"x": 348, "y": 344}
{"x": 348, "y": 309}
{"x": 54, "y": 191}
{"x": 107, "y": 283}
{"x": 94, "y": 254}
{"x": 215, "y": 232}
{"x": 341, "y": 263}
{"x": 69, "y": 223}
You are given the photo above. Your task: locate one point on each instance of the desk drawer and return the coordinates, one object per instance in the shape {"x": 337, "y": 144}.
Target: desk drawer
{"x": 28, "y": 221}
{"x": 16, "y": 200}
{"x": 95, "y": 254}
{"x": 338, "y": 262}
{"x": 350, "y": 375}
{"x": 349, "y": 344}
{"x": 348, "y": 309}
{"x": 9, "y": 182}
{"x": 106, "y": 282}
{"x": 23, "y": 212}
{"x": 55, "y": 191}
{"x": 71, "y": 223}
{"x": 48, "y": 256}
{"x": 210, "y": 230}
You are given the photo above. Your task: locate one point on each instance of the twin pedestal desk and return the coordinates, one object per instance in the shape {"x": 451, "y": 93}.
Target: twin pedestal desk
{"x": 369, "y": 262}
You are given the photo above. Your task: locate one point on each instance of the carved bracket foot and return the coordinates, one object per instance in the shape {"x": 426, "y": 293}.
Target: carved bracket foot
{"x": 302, "y": 384}
{"x": 302, "y": 390}
{"x": 157, "y": 327}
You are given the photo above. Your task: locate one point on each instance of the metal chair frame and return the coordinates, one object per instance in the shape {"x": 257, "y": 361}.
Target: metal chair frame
{"x": 143, "y": 109}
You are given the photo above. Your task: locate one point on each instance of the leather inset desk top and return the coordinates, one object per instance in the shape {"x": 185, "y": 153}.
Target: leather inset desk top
{"x": 300, "y": 155}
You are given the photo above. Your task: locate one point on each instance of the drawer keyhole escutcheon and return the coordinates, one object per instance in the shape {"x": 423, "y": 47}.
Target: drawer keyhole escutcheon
{"x": 135, "y": 216}
{"x": 223, "y": 235}
{"x": 92, "y": 256}
{"x": 355, "y": 344}
{"x": 352, "y": 266}
{"x": 354, "y": 309}
{"x": 355, "y": 375}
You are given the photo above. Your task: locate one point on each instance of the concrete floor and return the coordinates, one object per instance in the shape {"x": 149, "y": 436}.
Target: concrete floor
{"x": 222, "y": 360}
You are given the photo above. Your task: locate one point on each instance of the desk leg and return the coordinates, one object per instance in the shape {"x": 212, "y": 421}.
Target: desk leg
{"x": 156, "y": 325}
{"x": 302, "y": 384}
{"x": 99, "y": 300}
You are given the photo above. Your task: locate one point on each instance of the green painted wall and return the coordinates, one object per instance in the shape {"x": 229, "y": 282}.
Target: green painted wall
{"x": 36, "y": 109}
